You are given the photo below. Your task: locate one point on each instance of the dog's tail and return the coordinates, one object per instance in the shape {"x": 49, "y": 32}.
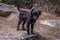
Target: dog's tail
{"x": 17, "y": 4}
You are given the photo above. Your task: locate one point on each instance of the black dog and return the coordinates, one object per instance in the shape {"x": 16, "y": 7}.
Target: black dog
{"x": 28, "y": 17}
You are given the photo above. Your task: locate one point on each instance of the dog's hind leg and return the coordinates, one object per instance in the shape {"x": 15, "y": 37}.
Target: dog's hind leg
{"x": 19, "y": 22}
{"x": 23, "y": 27}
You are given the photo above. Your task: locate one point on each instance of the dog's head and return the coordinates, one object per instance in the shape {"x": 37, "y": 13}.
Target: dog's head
{"x": 35, "y": 14}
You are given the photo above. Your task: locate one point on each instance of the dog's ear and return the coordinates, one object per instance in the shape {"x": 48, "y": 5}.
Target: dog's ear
{"x": 32, "y": 11}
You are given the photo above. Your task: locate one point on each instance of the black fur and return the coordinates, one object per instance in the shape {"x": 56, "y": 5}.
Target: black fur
{"x": 29, "y": 18}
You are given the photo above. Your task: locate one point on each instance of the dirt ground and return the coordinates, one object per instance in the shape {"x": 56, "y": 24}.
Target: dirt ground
{"x": 9, "y": 24}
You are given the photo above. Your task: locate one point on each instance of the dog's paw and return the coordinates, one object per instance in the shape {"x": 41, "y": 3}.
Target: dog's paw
{"x": 32, "y": 33}
{"x": 28, "y": 33}
{"x": 18, "y": 29}
{"x": 24, "y": 29}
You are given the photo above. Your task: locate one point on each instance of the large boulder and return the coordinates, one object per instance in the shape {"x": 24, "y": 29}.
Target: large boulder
{"x": 5, "y": 10}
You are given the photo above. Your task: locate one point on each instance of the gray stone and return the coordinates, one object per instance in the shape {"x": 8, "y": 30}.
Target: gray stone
{"x": 51, "y": 23}
{"x": 51, "y": 28}
{"x": 8, "y": 36}
{"x": 23, "y": 36}
{"x": 5, "y": 9}
{"x": 35, "y": 36}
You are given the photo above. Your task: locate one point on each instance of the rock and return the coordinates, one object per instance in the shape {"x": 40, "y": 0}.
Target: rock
{"x": 9, "y": 36}
{"x": 35, "y": 36}
{"x": 51, "y": 23}
{"x": 50, "y": 29}
{"x": 5, "y": 10}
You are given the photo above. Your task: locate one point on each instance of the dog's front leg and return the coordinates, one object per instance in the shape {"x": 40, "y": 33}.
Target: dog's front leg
{"x": 28, "y": 24}
{"x": 32, "y": 28}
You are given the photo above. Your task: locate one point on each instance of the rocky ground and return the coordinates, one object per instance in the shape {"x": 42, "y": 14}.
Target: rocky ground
{"x": 8, "y": 27}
